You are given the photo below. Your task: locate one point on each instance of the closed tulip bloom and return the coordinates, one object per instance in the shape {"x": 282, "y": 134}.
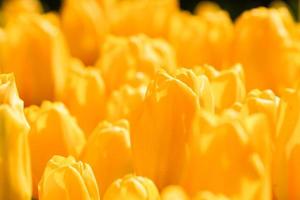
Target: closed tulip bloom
{"x": 202, "y": 39}
{"x": 51, "y": 126}
{"x": 84, "y": 95}
{"x": 12, "y": 8}
{"x": 132, "y": 187}
{"x": 226, "y": 146}
{"x": 84, "y": 26}
{"x": 228, "y": 86}
{"x": 34, "y": 36}
{"x": 123, "y": 57}
{"x": 266, "y": 45}
{"x": 160, "y": 129}
{"x": 174, "y": 192}
{"x": 108, "y": 151}
{"x": 66, "y": 178}
{"x": 286, "y": 154}
{"x": 131, "y": 17}
{"x": 15, "y": 181}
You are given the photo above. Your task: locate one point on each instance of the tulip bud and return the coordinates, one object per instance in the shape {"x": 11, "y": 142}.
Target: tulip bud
{"x": 174, "y": 193}
{"x": 266, "y": 45}
{"x": 123, "y": 57}
{"x": 108, "y": 151}
{"x": 225, "y": 146}
{"x": 64, "y": 178}
{"x": 84, "y": 95}
{"x": 84, "y": 25}
{"x": 51, "y": 126}
{"x": 15, "y": 181}
{"x": 132, "y": 188}
{"x": 160, "y": 129}
{"x": 203, "y": 39}
{"x": 286, "y": 154}
{"x": 43, "y": 77}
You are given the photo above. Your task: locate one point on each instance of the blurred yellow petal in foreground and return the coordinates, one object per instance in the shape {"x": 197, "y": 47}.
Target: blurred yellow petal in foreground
{"x": 84, "y": 26}
{"x": 65, "y": 178}
{"x": 132, "y": 187}
{"x": 53, "y": 132}
{"x": 15, "y": 176}
{"x": 123, "y": 57}
{"x": 108, "y": 151}
{"x": 84, "y": 95}
{"x": 34, "y": 50}
{"x": 174, "y": 192}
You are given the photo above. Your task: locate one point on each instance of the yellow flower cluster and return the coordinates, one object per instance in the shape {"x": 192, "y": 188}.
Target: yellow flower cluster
{"x": 139, "y": 100}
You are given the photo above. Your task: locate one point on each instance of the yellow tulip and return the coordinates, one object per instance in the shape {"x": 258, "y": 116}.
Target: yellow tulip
{"x": 286, "y": 154}
{"x": 160, "y": 128}
{"x": 84, "y": 95}
{"x": 15, "y": 176}
{"x": 85, "y": 26}
{"x": 174, "y": 192}
{"x": 53, "y": 132}
{"x": 132, "y": 187}
{"x": 65, "y": 178}
{"x": 123, "y": 57}
{"x": 266, "y": 45}
{"x": 131, "y": 17}
{"x": 202, "y": 39}
{"x": 230, "y": 155}
{"x": 228, "y": 86}
{"x": 108, "y": 151}
{"x": 123, "y": 102}
{"x": 34, "y": 50}
{"x": 12, "y": 8}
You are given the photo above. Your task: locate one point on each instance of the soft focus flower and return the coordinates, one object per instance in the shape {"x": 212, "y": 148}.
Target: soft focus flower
{"x": 202, "y": 39}
{"x": 12, "y": 8}
{"x": 227, "y": 86}
{"x": 174, "y": 192}
{"x": 226, "y": 146}
{"x": 266, "y": 45}
{"x": 35, "y": 51}
{"x": 108, "y": 151}
{"x": 286, "y": 154}
{"x": 53, "y": 132}
{"x": 15, "y": 176}
{"x": 84, "y": 26}
{"x": 131, "y": 17}
{"x": 65, "y": 178}
{"x": 84, "y": 95}
{"x": 160, "y": 129}
{"x": 132, "y": 187}
{"x": 123, "y": 102}
{"x": 123, "y": 57}
{"x": 210, "y": 196}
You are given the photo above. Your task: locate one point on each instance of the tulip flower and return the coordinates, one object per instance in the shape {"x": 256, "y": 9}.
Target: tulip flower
{"x": 123, "y": 57}
{"x": 15, "y": 181}
{"x": 286, "y": 154}
{"x": 209, "y": 196}
{"x": 227, "y": 86}
{"x": 51, "y": 126}
{"x": 131, "y": 17}
{"x": 160, "y": 128}
{"x": 226, "y": 146}
{"x": 84, "y": 26}
{"x": 12, "y": 8}
{"x": 65, "y": 178}
{"x": 108, "y": 151}
{"x": 203, "y": 39}
{"x": 174, "y": 193}
{"x": 34, "y": 50}
{"x": 266, "y": 45}
{"x": 84, "y": 95}
{"x": 132, "y": 187}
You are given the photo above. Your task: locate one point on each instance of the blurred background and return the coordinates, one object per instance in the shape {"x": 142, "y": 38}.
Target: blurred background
{"x": 235, "y": 7}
